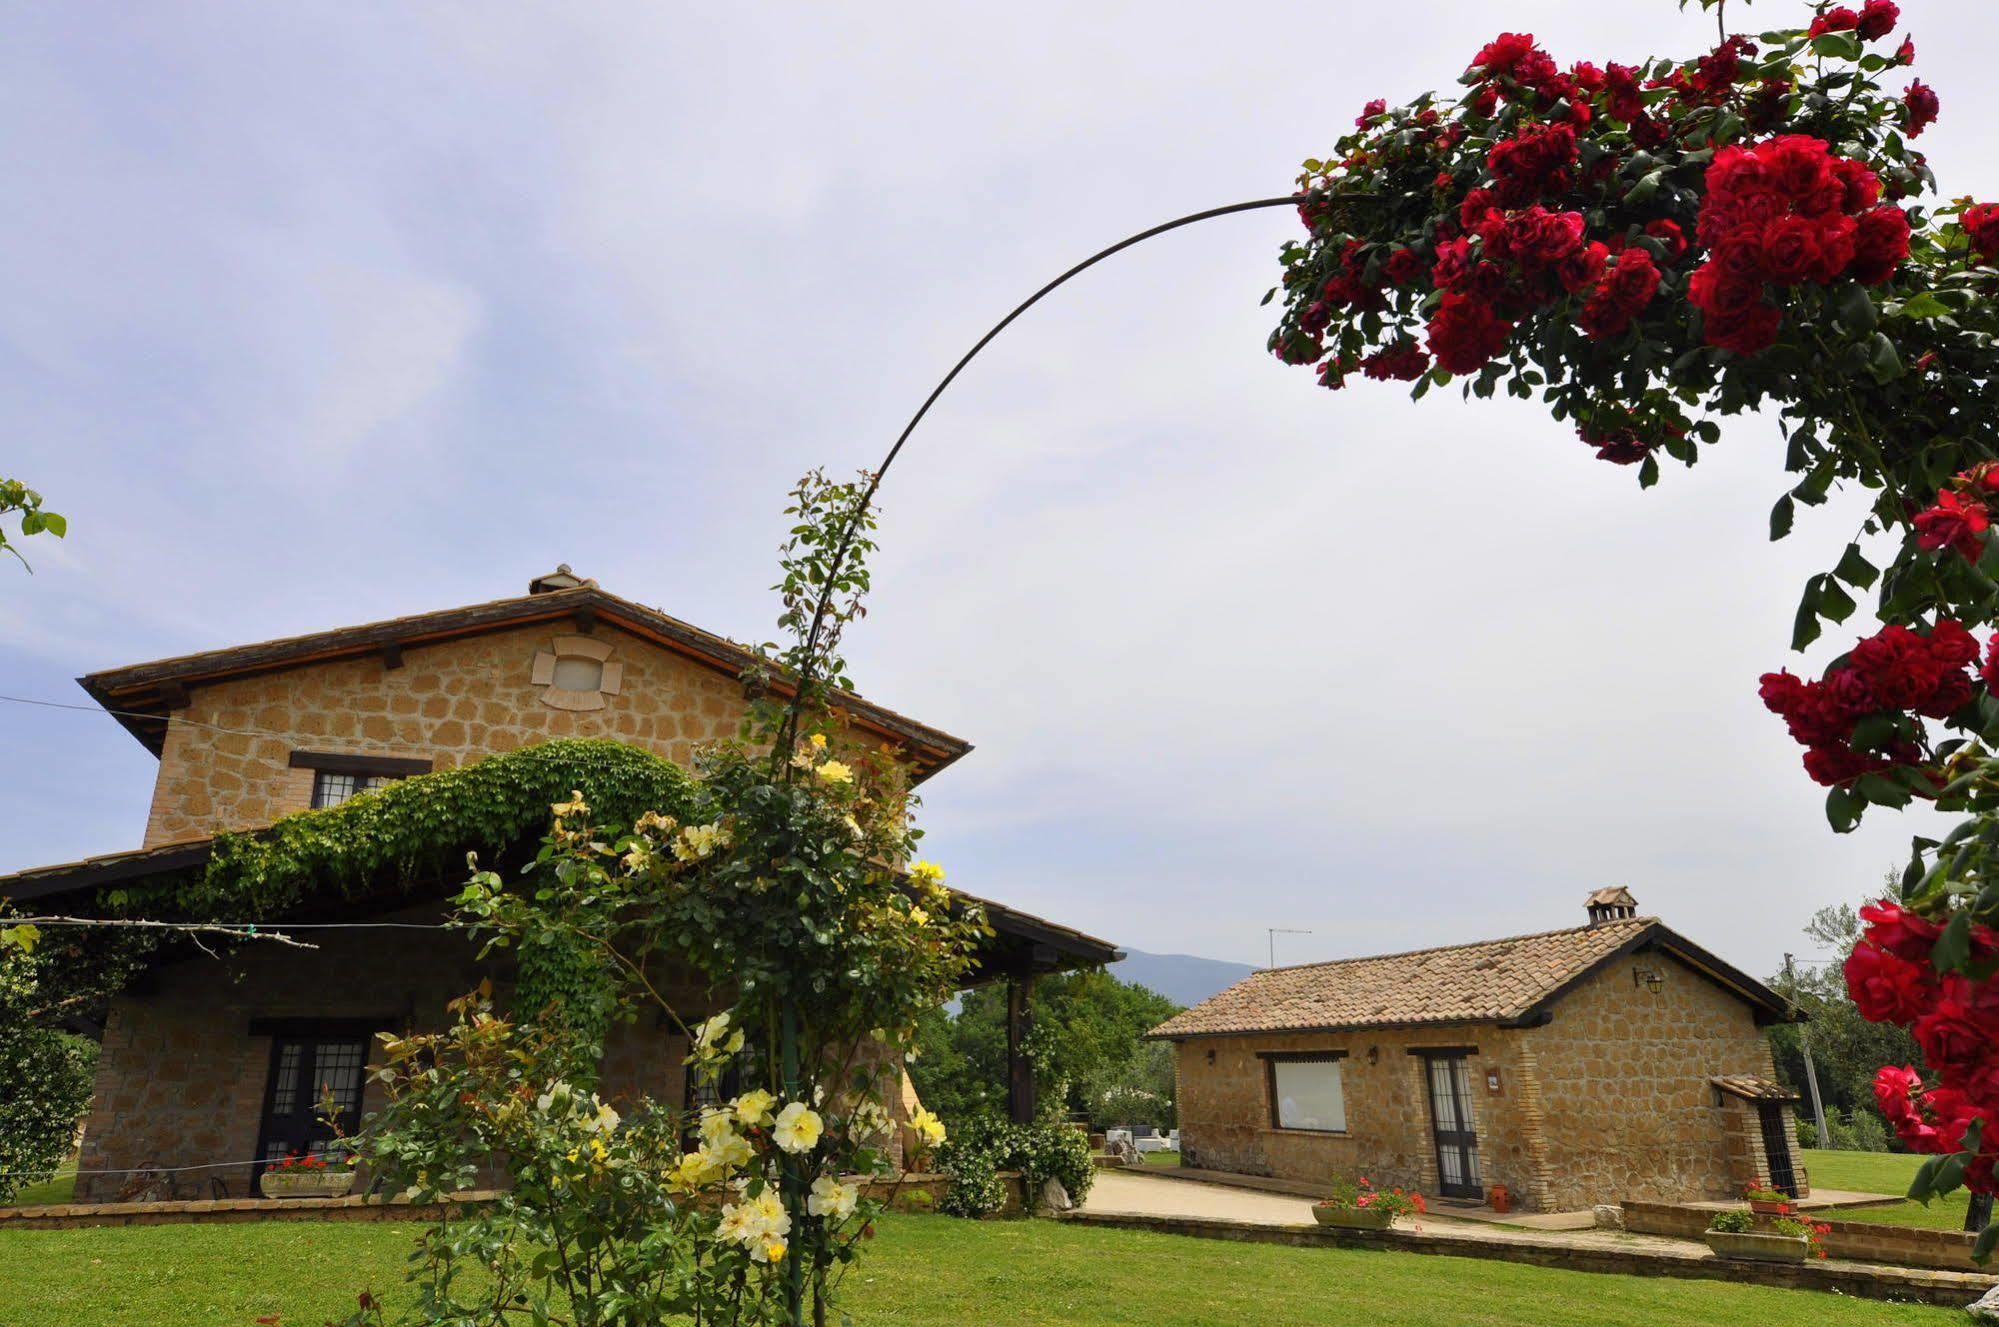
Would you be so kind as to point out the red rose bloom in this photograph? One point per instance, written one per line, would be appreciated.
(1888, 989)
(1892, 927)
(1402, 267)
(1747, 331)
(1861, 186)
(1542, 236)
(1622, 96)
(1880, 243)
(1622, 295)
(1954, 523)
(1954, 1037)
(1877, 19)
(1464, 334)
(1379, 106)
(1905, 54)
(1790, 250)
(1781, 692)
(1581, 269)
(1951, 645)
(1837, 19)
(1668, 233)
(1453, 264)
(1404, 361)
(1921, 106)
(1981, 227)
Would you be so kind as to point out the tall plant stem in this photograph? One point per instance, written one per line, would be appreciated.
(788, 734)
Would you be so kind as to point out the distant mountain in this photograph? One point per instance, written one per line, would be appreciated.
(1181, 978)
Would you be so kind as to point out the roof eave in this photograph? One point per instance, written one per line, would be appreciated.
(137, 694)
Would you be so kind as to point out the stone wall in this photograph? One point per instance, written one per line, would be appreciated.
(1224, 1107)
(181, 1078)
(1624, 1081)
(451, 702)
(1858, 1241)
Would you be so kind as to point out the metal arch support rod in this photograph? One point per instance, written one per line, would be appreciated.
(1289, 200)
(874, 480)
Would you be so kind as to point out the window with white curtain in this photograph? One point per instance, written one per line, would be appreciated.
(1308, 1094)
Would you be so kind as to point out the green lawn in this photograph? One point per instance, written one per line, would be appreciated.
(1159, 1158)
(1882, 1172)
(924, 1271)
(58, 1190)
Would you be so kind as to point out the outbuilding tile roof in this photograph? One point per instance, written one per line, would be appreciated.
(1487, 981)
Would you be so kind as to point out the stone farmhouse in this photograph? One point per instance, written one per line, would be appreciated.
(210, 1060)
(1609, 1061)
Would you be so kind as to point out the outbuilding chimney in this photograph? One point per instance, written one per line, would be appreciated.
(562, 578)
(1611, 904)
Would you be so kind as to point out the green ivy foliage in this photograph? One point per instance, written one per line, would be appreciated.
(405, 836)
(419, 829)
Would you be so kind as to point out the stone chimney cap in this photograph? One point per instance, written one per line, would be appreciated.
(562, 578)
(1609, 904)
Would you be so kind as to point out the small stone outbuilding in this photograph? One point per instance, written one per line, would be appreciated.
(1609, 1061)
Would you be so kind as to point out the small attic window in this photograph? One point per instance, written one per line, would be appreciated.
(575, 673)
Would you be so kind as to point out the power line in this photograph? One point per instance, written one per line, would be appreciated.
(253, 929)
(132, 1170)
(136, 714)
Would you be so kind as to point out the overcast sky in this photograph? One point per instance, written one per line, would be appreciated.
(317, 314)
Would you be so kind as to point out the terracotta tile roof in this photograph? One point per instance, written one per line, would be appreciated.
(1484, 982)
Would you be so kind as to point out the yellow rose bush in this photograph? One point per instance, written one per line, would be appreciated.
(770, 921)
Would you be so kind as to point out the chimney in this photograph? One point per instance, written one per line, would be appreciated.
(1611, 904)
(562, 578)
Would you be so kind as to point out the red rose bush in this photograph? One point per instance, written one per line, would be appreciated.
(1649, 247)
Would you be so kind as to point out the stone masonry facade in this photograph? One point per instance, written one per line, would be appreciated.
(1609, 1100)
(450, 702)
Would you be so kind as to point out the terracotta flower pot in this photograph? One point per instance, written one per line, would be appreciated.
(305, 1183)
(1351, 1218)
(1501, 1198)
(1770, 1206)
(1755, 1246)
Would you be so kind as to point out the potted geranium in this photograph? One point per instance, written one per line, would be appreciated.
(1358, 1205)
(307, 1175)
(1767, 1202)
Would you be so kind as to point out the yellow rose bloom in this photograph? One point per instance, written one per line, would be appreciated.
(835, 772)
(798, 1128)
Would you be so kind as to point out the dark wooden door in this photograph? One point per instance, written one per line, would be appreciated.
(304, 1070)
(1451, 1123)
(1777, 1148)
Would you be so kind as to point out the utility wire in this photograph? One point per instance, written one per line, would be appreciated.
(134, 714)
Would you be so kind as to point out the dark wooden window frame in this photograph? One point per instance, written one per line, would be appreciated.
(1271, 1059)
(335, 762)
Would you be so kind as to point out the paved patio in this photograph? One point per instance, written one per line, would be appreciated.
(1125, 1193)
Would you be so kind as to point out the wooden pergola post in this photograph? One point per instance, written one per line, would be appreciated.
(1019, 1069)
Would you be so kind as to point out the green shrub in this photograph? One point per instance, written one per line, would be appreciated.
(1857, 1130)
(1808, 1134)
(1733, 1221)
(47, 1078)
(978, 1149)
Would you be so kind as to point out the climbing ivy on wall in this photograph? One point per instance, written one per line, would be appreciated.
(404, 836)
